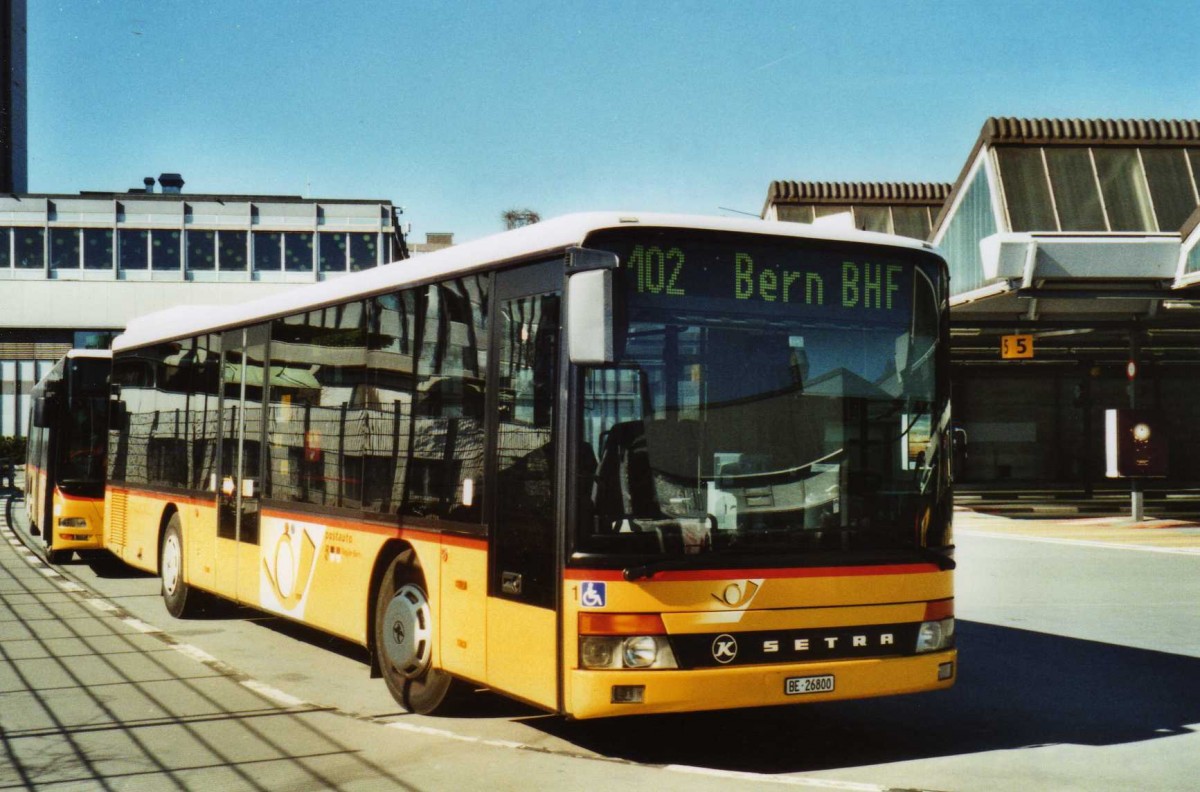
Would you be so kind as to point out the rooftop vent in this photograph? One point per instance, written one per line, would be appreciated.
(149, 182)
(171, 182)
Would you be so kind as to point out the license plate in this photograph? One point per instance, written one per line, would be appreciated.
(796, 686)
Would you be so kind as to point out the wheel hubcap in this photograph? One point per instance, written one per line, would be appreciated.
(170, 564)
(408, 631)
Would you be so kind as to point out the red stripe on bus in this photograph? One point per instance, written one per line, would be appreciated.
(79, 498)
(455, 540)
(788, 572)
(468, 542)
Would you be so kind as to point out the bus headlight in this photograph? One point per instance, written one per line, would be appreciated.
(631, 651)
(597, 651)
(640, 651)
(935, 635)
(624, 640)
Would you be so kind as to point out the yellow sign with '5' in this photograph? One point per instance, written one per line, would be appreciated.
(1016, 347)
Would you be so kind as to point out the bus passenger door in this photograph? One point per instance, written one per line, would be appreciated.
(523, 585)
(237, 556)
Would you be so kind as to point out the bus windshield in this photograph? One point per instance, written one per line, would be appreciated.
(81, 467)
(775, 402)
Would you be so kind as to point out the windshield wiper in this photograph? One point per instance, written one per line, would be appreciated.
(648, 569)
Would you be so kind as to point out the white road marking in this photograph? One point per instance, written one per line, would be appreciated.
(141, 626)
(278, 696)
(785, 780)
(1192, 551)
(195, 653)
(732, 775)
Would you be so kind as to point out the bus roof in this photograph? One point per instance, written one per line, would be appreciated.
(101, 354)
(547, 237)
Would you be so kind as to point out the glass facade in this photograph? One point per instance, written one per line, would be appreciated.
(1074, 183)
(793, 213)
(166, 250)
(873, 218)
(1193, 264)
(333, 251)
(97, 248)
(909, 221)
(64, 248)
(298, 252)
(1025, 185)
(1170, 182)
(1098, 188)
(196, 250)
(29, 248)
(131, 247)
(1123, 186)
(972, 220)
(364, 251)
(268, 251)
(202, 251)
(232, 246)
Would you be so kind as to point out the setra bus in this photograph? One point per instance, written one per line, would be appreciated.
(603, 464)
(67, 440)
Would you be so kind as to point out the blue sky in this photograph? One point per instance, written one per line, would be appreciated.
(459, 111)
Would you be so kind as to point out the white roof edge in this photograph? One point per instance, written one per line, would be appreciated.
(103, 354)
(549, 235)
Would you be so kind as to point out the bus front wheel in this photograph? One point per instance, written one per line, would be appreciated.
(404, 636)
(177, 595)
(59, 556)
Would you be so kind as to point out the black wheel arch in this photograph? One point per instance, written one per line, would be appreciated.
(392, 550)
(163, 521)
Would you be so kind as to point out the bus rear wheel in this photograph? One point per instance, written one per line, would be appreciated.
(177, 594)
(404, 639)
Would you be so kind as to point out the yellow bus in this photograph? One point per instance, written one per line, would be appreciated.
(603, 464)
(64, 468)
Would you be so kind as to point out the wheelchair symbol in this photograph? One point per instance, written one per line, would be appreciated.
(594, 595)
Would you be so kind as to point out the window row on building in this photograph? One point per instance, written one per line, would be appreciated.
(194, 250)
(1099, 188)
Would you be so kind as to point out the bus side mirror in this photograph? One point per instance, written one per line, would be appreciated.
(117, 414)
(116, 408)
(590, 317)
(591, 306)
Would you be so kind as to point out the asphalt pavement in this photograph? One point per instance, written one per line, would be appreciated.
(1112, 529)
(93, 698)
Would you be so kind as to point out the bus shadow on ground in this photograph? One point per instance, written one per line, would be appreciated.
(106, 565)
(1017, 689)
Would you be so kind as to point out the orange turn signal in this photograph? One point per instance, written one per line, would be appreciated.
(621, 624)
(939, 609)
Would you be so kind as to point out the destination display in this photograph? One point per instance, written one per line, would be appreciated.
(795, 278)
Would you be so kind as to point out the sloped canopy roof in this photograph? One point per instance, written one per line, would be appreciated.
(926, 193)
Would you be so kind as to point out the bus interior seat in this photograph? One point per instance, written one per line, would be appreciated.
(624, 483)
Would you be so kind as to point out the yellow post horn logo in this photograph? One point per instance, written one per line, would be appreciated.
(284, 563)
(735, 596)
